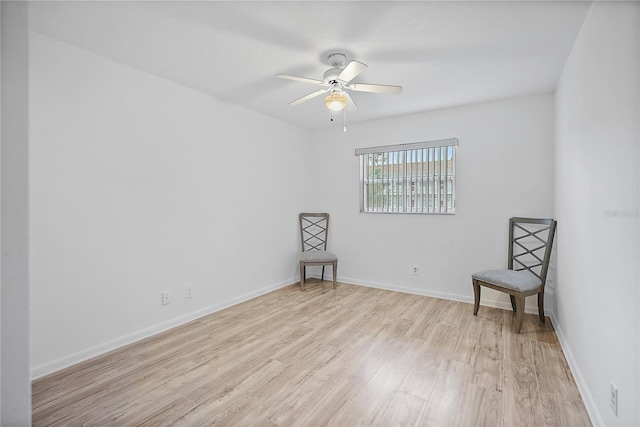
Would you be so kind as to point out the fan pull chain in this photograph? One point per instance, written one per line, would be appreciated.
(345, 119)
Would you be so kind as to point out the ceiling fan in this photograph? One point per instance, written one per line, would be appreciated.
(337, 82)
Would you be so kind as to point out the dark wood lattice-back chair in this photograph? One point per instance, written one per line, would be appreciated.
(314, 229)
(530, 243)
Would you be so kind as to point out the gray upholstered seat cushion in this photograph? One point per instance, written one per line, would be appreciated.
(317, 256)
(515, 280)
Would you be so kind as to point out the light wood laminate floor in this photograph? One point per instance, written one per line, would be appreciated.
(353, 356)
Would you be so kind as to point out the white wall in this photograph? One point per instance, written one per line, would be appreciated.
(597, 171)
(504, 168)
(139, 185)
(14, 284)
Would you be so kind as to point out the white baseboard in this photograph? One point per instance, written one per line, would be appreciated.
(587, 398)
(72, 359)
(531, 309)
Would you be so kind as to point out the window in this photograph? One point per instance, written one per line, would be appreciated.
(409, 178)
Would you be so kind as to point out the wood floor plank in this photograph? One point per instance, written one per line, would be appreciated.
(551, 368)
(445, 402)
(224, 376)
(80, 380)
(564, 410)
(442, 408)
(261, 403)
(450, 313)
(212, 410)
(317, 405)
(414, 307)
(521, 398)
(397, 355)
(396, 305)
(468, 335)
(403, 410)
(487, 372)
(347, 357)
(423, 374)
(490, 341)
(424, 320)
(538, 331)
(114, 398)
(517, 347)
(480, 407)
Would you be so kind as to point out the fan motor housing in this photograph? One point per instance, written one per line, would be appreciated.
(332, 74)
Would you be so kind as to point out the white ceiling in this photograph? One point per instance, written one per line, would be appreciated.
(444, 54)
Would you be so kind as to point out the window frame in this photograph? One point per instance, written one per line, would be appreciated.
(404, 195)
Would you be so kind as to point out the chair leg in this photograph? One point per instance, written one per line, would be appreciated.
(302, 273)
(519, 312)
(541, 306)
(476, 297)
(513, 303)
(335, 273)
(322, 277)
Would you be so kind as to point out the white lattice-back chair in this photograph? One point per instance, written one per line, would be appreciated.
(530, 244)
(314, 230)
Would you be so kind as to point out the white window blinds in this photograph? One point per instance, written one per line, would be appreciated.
(408, 178)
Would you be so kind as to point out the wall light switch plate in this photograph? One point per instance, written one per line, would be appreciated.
(613, 399)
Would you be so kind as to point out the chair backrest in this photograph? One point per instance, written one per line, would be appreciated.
(530, 243)
(314, 229)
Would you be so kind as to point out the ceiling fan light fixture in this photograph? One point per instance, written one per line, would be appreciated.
(337, 81)
(335, 101)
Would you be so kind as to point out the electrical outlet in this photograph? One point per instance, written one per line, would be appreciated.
(188, 292)
(613, 399)
(415, 270)
(165, 298)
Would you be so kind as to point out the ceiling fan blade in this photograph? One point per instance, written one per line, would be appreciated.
(301, 79)
(308, 97)
(366, 87)
(345, 93)
(350, 72)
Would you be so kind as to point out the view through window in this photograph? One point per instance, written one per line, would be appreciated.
(408, 178)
